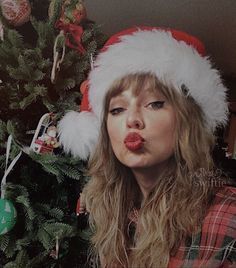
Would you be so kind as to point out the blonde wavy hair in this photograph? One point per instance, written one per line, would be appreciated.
(175, 207)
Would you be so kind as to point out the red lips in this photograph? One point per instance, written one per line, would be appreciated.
(134, 141)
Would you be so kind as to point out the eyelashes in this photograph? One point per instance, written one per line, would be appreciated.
(116, 111)
(155, 105)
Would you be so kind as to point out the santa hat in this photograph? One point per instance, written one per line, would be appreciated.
(176, 58)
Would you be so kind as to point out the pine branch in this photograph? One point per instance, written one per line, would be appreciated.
(35, 92)
(23, 243)
(11, 265)
(45, 33)
(45, 238)
(65, 84)
(43, 188)
(14, 39)
(2, 161)
(70, 172)
(4, 241)
(22, 258)
(9, 251)
(54, 213)
(61, 230)
(56, 10)
(10, 49)
(38, 260)
(14, 190)
(3, 130)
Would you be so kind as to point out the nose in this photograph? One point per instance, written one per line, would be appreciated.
(135, 119)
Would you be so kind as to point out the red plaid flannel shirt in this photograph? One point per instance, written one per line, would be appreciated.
(215, 245)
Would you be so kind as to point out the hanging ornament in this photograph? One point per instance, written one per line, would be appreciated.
(45, 137)
(1, 31)
(51, 9)
(73, 12)
(80, 207)
(82, 213)
(8, 213)
(16, 12)
(55, 253)
(84, 89)
(58, 55)
(8, 216)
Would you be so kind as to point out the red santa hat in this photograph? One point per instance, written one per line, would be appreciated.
(176, 58)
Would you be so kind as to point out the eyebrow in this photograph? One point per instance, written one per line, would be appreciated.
(121, 97)
(115, 99)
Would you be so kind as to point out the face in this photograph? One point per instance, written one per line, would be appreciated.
(141, 128)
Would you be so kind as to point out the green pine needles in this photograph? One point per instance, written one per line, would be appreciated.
(44, 188)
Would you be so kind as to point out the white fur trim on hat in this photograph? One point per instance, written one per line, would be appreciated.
(173, 62)
(78, 133)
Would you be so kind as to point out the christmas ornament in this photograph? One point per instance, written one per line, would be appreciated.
(80, 207)
(58, 55)
(1, 31)
(81, 212)
(73, 12)
(45, 138)
(54, 253)
(84, 90)
(7, 210)
(51, 9)
(8, 216)
(16, 12)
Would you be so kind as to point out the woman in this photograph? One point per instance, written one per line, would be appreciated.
(156, 100)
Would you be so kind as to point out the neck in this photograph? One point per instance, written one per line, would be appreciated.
(146, 179)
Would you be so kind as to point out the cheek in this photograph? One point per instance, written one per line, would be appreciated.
(115, 141)
(165, 129)
(113, 129)
(171, 130)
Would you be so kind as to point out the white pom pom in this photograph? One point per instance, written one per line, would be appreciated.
(78, 133)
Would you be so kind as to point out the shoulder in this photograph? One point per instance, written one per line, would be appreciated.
(221, 215)
(218, 234)
(225, 200)
(227, 191)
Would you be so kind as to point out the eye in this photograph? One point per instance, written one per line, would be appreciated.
(116, 111)
(156, 105)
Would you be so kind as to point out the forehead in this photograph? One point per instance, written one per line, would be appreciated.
(138, 85)
(140, 93)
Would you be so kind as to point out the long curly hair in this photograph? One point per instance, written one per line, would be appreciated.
(175, 207)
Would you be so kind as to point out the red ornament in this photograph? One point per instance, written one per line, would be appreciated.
(16, 12)
(71, 16)
(84, 88)
(73, 34)
(80, 207)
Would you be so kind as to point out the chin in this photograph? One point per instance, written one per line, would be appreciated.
(135, 162)
(135, 165)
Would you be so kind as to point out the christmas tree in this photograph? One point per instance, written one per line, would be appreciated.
(45, 54)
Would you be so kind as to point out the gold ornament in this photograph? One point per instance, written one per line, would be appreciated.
(16, 12)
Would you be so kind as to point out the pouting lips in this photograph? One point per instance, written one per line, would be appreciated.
(134, 141)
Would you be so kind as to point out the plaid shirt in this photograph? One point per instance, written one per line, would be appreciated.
(215, 245)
